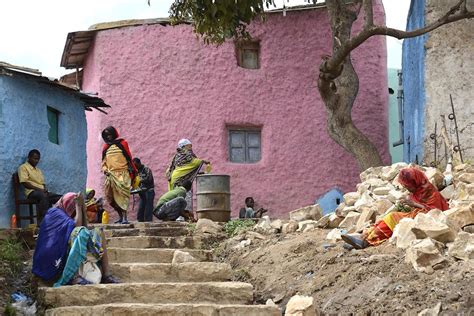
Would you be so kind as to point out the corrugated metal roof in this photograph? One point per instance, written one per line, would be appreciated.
(27, 70)
(90, 100)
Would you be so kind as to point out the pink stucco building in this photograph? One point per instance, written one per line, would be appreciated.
(164, 83)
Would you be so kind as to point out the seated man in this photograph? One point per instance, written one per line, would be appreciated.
(172, 204)
(32, 179)
(248, 211)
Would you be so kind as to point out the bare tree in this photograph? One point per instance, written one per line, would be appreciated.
(338, 83)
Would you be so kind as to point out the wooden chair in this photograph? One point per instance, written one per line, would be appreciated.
(19, 201)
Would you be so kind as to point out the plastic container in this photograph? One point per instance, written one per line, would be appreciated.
(105, 217)
(13, 223)
(208, 168)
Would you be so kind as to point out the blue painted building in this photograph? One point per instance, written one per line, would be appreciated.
(36, 112)
(435, 66)
(413, 64)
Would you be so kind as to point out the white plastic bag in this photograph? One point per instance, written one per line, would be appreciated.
(90, 271)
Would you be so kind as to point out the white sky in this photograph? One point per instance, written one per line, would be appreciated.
(33, 32)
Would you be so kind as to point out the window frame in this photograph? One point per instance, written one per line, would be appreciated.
(246, 147)
(241, 46)
(57, 113)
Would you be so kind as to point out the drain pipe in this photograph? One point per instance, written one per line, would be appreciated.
(400, 110)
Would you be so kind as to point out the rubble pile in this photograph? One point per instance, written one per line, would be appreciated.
(428, 238)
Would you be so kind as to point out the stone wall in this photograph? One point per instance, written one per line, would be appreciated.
(24, 126)
(449, 69)
(164, 83)
(436, 65)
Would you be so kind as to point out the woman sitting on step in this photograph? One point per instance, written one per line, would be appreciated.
(66, 251)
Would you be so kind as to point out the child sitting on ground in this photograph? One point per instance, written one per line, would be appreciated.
(249, 212)
(94, 207)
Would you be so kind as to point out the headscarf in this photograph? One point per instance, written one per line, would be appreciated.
(422, 191)
(67, 203)
(90, 201)
(88, 191)
(113, 131)
(122, 145)
(183, 142)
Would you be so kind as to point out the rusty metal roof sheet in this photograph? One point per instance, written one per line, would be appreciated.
(90, 100)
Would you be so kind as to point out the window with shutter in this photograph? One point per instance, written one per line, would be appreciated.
(53, 121)
(245, 145)
(248, 54)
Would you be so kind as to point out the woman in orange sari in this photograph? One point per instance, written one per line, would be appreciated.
(423, 198)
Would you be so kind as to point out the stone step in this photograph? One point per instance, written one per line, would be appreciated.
(112, 226)
(159, 224)
(167, 272)
(147, 293)
(154, 242)
(165, 309)
(140, 225)
(152, 255)
(148, 231)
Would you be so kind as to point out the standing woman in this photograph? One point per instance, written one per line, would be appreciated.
(184, 166)
(119, 171)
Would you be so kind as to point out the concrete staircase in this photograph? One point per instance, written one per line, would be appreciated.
(141, 256)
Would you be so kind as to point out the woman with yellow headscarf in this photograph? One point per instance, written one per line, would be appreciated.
(184, 166)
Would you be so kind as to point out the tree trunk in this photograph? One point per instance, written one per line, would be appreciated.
(339, 87)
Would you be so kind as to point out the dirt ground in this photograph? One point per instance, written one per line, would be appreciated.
(364, 282)
(15, 279)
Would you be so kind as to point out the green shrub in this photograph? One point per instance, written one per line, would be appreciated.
(191, 227)
(241, 275)
(232, 228)
(11, 252)
(9, 310)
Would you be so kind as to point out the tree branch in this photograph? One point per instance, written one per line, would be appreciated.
(450, 16)
(368, 14)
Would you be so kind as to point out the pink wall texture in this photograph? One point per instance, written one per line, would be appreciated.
(164, 83)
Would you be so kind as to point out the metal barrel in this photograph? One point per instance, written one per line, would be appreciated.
(213, 197)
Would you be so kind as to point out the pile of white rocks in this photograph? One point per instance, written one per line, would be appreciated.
(425, 238)
(431, 239)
